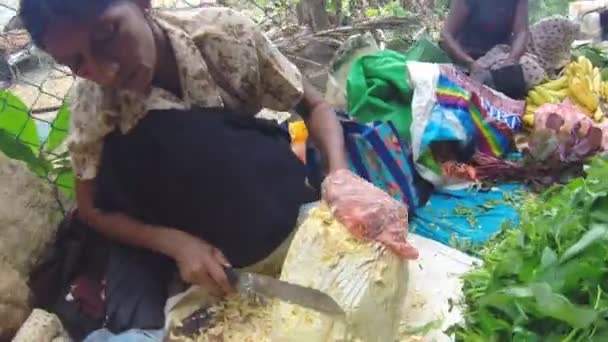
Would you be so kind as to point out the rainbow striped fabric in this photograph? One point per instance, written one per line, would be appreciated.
(474, 113)
(461, 111)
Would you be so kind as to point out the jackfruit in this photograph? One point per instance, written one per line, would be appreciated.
(367, 280)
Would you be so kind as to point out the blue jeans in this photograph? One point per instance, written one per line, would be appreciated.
(134, 335)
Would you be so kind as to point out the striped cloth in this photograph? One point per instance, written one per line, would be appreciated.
(484, 122)
(449, 107)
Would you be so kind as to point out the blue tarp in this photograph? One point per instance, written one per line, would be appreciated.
(467, 216)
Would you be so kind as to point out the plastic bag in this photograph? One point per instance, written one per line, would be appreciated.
(368, 212)
(378, 88)
(566, 117)
(563, 116)
(450, 108)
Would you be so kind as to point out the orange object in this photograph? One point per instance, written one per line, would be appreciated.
(299, 135)
(460, 171)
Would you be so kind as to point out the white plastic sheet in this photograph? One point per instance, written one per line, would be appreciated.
(434, 285)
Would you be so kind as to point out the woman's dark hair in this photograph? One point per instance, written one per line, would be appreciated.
(38, 15)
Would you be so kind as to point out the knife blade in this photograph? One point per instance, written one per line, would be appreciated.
(248, 283)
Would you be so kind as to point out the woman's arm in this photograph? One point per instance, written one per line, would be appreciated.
(459, 12)
(120, 227)
(273, 81)
(324, 127)
(199, 263)
(520, 31)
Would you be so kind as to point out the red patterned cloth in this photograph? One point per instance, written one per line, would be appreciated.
(88, 293)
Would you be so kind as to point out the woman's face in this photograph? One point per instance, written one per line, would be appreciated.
(116, 49)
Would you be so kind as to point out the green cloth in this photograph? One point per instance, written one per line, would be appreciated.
(378, 88)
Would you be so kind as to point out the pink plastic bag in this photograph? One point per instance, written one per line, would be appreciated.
(565, 116)
(368, 212)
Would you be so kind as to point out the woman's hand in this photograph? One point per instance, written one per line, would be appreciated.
(324, 128)
(475, 69)
(201, 264)
(455, 21)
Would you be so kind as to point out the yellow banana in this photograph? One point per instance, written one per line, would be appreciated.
(528, 120)
(597, 81)
(598, 116)
(558, 84)
(605, 90)
(582, 108)
(586, 66)
(547, 96)
(536, 98)
(588, 79)
(581, 91)
(559, 94)
(578, 67)
(531, 107)
(573, 69)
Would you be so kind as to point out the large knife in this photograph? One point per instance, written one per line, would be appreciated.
(248, 283)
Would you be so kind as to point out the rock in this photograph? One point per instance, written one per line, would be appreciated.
(42, 326)
(29, 216)
(14, 301)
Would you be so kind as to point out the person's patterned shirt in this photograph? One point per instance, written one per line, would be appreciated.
(224, 60)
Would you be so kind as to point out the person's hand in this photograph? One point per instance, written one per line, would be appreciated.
(476, 69)
(201, 264)
(510, 60)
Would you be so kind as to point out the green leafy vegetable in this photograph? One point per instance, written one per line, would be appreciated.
(15, 120)
(547, 280)
(59, 128)
(19, 140)
(15, 149)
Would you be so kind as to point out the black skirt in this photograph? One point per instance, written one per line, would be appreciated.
(230, 180)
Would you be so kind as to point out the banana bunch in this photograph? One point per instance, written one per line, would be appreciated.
(528, 118)
(555, 91)
(581, 82)
(604, 91)
(586, 87)
(551, 92)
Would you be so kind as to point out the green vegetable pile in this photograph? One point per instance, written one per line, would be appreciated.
(548, 280)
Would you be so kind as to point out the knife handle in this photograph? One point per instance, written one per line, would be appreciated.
(232, 275)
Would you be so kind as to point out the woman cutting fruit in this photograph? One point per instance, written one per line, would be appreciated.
(145, 75)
